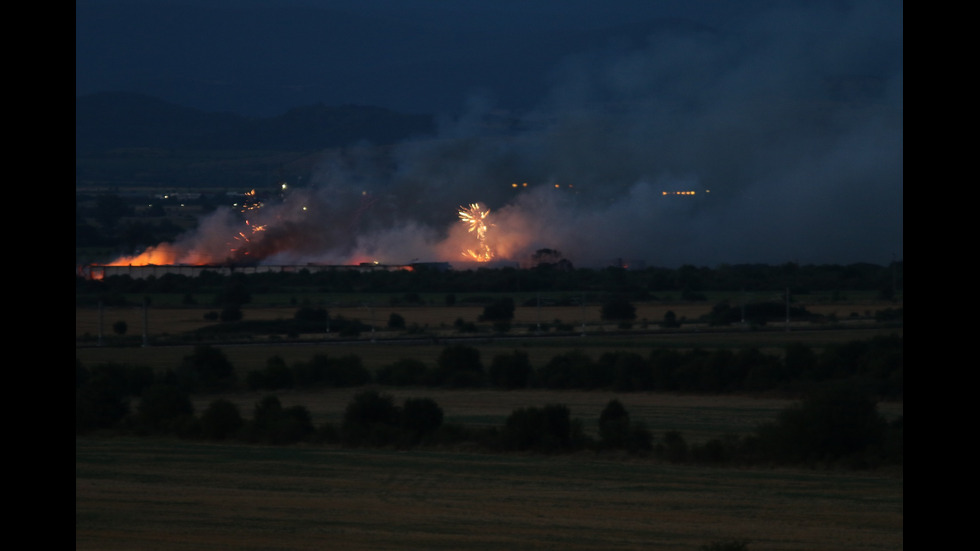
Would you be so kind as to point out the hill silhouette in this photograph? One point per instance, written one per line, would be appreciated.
(120, 120)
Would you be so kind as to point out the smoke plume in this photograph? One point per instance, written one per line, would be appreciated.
(786, 123)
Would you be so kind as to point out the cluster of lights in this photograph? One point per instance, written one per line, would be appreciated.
(523, 185)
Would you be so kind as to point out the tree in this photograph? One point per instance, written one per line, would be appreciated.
(830, 425)
(546, 429)
(511, 371)
(670, 320)
(420, 417)
(618, 309)
(163, 408)
(396, 321)
(458, 365)
(273, 424)
(499, 310)
(206, 370)
(616, 431)
(221, 420)
(370, 419)
(614, 425)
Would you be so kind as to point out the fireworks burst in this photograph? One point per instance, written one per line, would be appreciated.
(476, 220)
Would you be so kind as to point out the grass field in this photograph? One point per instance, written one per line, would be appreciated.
(159, 495)
(156, 494)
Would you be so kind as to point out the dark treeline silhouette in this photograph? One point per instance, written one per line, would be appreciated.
(685, 282)
(831, 426)
(109, 121)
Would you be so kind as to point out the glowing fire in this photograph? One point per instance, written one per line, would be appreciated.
(242, 246)
(476, 220)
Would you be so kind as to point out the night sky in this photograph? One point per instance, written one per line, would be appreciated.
(785, 117)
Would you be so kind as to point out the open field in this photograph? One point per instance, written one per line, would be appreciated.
(161, 495)
(157, 494)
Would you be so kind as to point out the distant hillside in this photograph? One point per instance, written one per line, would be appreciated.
(111, 120)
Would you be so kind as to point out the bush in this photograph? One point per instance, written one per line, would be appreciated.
(420, 418)
(276, 375)
(614, 425)
(618, 309)
(221, 420)
(511, 371)
(499, 310)
(162, 408)
(231, 314)
(617, 432)
(458, 365)
(371, 419)
(273, 424)
(830, 426)
(404, 372)
(396, 321)
(207, 369)
(548, 429)
(321, 370)
(673, 448)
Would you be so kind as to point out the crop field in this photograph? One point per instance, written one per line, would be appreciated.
(168, 494)
(149, 494)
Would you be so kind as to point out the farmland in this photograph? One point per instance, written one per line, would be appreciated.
(157, 492)
(146, 494)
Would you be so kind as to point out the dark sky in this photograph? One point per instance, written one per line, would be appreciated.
(790, 112)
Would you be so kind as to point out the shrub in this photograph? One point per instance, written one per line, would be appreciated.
(510, 370)
(420, 417)
(618, 309)
(161, 408)
(673, 448)
(614, 425)
(396, 321)
(458, 365)
(499, 310)
(273, 424)
(207, 369)
(221, 420)
(547, 429)
(830, 425)
(404, 372)
(370, 419)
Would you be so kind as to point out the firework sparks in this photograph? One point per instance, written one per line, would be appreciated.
(476, 220)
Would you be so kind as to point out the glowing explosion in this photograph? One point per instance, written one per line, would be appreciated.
(476, 219)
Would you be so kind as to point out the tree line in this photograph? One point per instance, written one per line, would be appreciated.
(833, 427)
(686, 282)
(836, 420)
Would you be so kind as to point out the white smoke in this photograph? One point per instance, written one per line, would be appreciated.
(787, 122)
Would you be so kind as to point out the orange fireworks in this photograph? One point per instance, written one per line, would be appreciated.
(476, 220)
